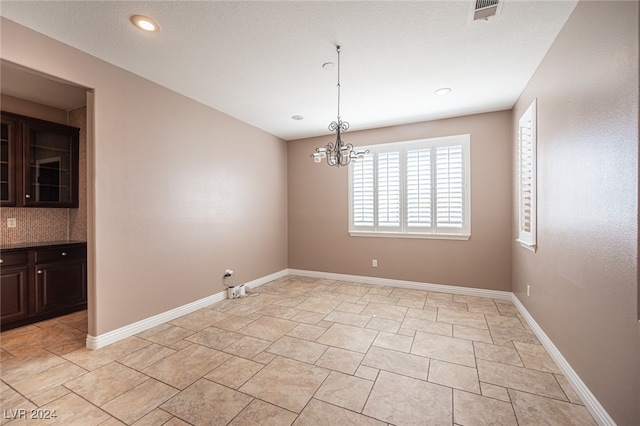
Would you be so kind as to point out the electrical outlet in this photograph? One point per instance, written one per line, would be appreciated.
(374, 263)
(11, 222)
(228, 273)
(528, 290)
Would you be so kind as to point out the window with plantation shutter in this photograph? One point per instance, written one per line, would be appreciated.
(527, 178)
(414, 189)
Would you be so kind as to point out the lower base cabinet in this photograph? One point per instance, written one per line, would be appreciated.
(41, 283)
(14, 302)
(60, 285)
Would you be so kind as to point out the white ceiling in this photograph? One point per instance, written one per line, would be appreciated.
(261, 61)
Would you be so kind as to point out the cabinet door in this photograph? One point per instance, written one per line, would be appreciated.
(13, 294)
(60, 286)
(8, 142)
(50, 165)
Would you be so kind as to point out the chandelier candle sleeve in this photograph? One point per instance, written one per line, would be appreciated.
(338, 153)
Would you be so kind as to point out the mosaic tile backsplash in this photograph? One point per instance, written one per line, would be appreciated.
(34, 225)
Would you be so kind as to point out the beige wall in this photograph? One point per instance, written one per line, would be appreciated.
(584, 275)
(178, 192)
(318, 217)
(36, 225)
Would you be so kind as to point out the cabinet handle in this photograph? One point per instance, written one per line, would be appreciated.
(40, 271)
(27, 196)
(64, 253)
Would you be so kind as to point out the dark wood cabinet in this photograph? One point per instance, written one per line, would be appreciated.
(15, 302)
(14, 295)
(61, 282)
(42, 282)
(60, 285)
(42, 163)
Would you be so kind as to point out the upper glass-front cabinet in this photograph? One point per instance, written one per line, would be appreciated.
(51, 165)
(7, 161)
(47, 169)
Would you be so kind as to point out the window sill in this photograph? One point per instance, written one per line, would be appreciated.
(528, 246)
(410, 235)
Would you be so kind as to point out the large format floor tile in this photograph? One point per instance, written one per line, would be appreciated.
(397, 362)
(302, 351)
(207, 403)
(444, 348)
(403, 400)
(471, 409)
(345, 391)
(286, 383)
(186, 366)
(523, 379)
(321, 413)
(268, 328)
(348, 337)
(139, 401)
(262, 413)
(106, 383)
(537, 410)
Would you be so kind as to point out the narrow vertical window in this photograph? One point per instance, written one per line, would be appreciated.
(527, 178)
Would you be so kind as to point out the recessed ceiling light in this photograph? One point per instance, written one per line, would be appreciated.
(328, 66)
(297, 117)
(145, 23)
(443, 91)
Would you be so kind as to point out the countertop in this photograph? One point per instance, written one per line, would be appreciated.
(35, 245)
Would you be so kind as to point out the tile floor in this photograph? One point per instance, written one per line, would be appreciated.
(302, 351)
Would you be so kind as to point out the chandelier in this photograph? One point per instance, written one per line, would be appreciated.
(338, 153)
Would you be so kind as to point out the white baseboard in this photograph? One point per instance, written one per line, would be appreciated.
(465, 291)
(97, 342)
(267, 278)
(590, 402)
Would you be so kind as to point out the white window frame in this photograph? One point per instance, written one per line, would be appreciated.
(527, 178)
(403, 230)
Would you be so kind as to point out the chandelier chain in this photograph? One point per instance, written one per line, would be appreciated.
(338, 49)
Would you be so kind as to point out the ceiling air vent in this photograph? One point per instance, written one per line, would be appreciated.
(484, 9)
